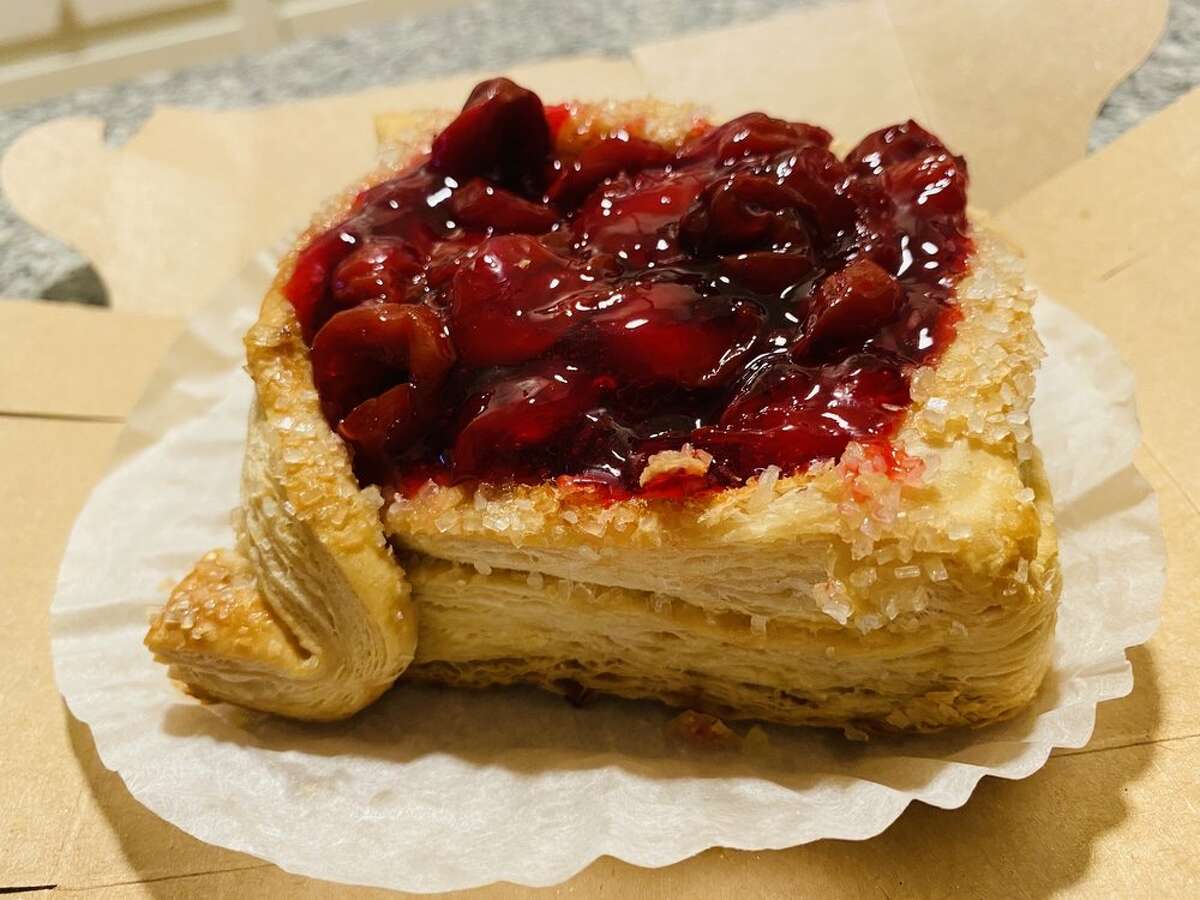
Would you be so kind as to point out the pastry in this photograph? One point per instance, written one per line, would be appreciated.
(602, 397)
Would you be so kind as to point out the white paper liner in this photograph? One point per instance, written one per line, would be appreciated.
(436, 789)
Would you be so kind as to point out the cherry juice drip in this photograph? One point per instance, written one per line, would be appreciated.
(499, 313)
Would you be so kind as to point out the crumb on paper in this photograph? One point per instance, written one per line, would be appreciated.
(756, 740)
(700, 730)
(706, 732)
(574, 692)
(856, 734)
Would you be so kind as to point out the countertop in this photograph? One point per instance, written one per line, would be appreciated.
(491, 34)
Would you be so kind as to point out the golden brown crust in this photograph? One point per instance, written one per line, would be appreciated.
(218, 607)
(845, 595)
(325, 579)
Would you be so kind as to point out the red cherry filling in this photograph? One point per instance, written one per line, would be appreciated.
(508, 302)
(498, 312)
(636, 220)
(483, 205)
(384, 427)
(556, 118)
(791, 415)
(850, 306)
(605, 159)
(309, 284)
(883, 148)
(522, 413)
(768, 271)
(381, 269)
(501, 133)
(934, 183)
(753, 134)
(362, 352)
(667, 333)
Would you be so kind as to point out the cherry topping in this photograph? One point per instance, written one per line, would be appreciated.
(636, 219)
(663, 332)
(603, 160)
(410, 208)
(383, 427)
(485, 205)
(935, 183)
(768, 271)
(789, 415)
(502, 310)
(523, 411)
(887, 146)
(556, 117)
(508, 301)
(308, 285)
(381, 269)
(753, 134)
(745, 211)
(362, 352)
(822, 180)
(501, 133)
(850, 306)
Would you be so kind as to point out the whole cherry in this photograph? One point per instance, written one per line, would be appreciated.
(849, 307)
(510, 301)
(501, 134)
(381, 269)
(522, 412)
(360, 353)
(664, 332)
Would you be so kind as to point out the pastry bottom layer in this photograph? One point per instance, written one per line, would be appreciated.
(505, 627)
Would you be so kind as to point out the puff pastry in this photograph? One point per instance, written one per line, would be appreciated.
(855, 592)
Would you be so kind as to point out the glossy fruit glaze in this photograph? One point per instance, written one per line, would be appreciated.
(497, 312)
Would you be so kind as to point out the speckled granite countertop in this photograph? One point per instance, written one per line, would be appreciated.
(482, 35)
